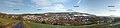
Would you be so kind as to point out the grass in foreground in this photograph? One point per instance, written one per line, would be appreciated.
(0, 24)
(37, 25)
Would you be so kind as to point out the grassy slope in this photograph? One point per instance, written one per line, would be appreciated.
(26, 24)
(36, 25)
(0, 24)
(6, 21)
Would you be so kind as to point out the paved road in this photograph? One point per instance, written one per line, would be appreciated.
(19, 25)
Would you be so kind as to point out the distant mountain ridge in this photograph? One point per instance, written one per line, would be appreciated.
(54, 13)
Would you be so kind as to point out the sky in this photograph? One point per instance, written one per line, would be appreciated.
(97, 7)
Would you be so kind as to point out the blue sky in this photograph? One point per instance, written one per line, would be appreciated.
(97, 7)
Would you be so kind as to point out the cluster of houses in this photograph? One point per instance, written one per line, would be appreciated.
(63, 18)
(67, 18)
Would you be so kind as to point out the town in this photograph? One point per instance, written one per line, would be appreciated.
(67, 18)
(61, 18)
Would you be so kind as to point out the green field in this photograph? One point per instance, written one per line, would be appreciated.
(37, 25)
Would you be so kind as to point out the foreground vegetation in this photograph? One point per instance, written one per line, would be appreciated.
(0, 24)
(37, 25)
(9, 21)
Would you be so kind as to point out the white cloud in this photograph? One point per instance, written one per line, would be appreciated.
(58, 1)
(7, 4)
(79, 1)
(56, 7)
(10, 3)
(50, 5)
(43, 3)
(108, 13)
(119, 3)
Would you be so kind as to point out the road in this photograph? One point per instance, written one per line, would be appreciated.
(19, 25)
